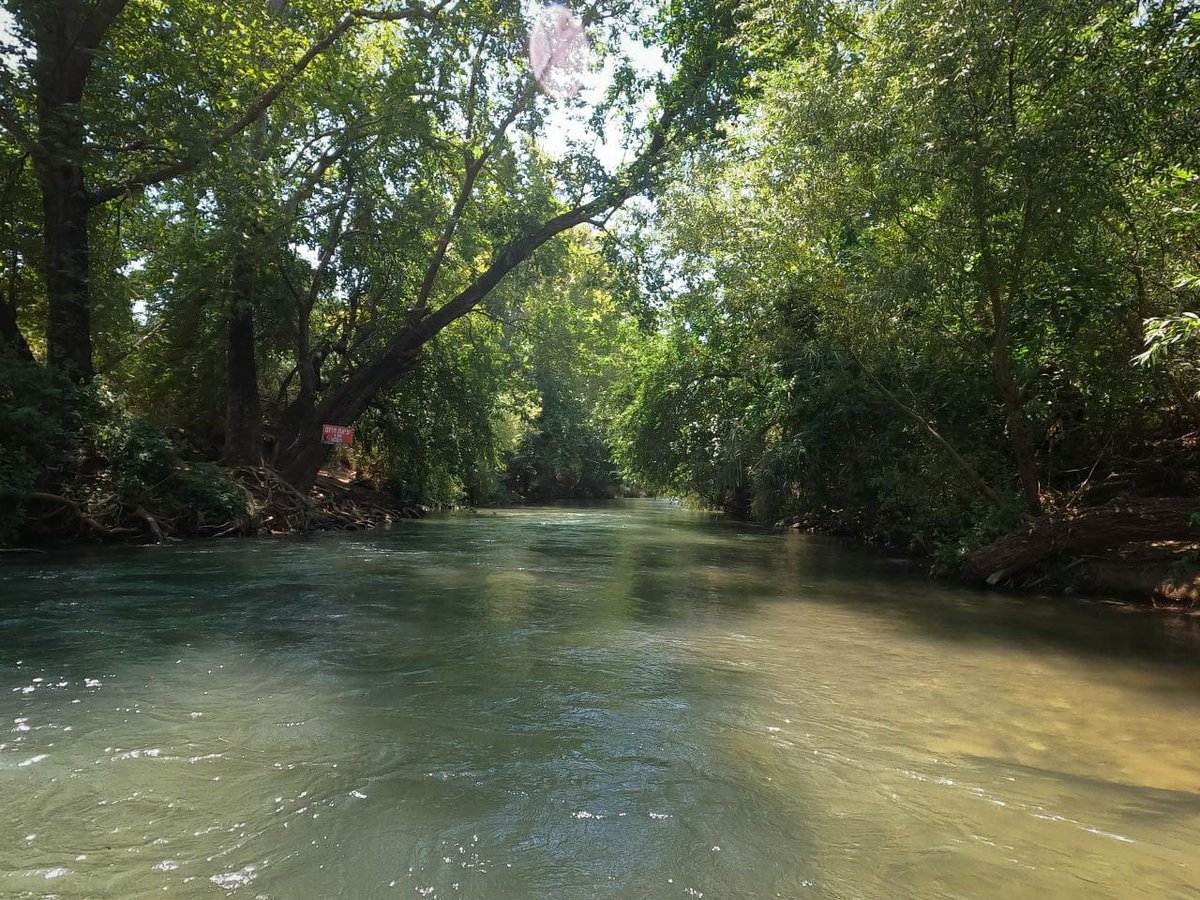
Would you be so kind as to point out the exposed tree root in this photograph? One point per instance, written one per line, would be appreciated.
(151, 523)
(332, 504)
(274, 507)
(95, 526)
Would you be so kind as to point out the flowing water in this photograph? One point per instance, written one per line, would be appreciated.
(630, 701)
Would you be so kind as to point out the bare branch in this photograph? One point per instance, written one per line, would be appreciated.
(94, 29)
(399, 15)
(474, 167)
(310, 182)
(142, 340)
(77, 510)
(332, 242)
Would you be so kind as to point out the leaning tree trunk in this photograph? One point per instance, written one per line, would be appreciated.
(302, 459)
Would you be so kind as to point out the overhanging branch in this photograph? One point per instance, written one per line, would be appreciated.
(255, 111)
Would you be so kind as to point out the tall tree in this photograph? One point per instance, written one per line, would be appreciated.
(45, 111)
(482, 215)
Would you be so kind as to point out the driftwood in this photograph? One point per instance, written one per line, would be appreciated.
(331, 505)
(1104, 529)
(77, 510)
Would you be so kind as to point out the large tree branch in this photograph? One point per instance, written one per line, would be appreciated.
(308, 185)
(396, 357)
(255, 111)
(332, 241)
(637, 177)
(400, 15)
(475, 165)
(303, 456)
(512, 256)
(95, 27)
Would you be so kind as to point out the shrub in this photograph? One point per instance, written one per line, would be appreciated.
(42, 419)
(60, 439)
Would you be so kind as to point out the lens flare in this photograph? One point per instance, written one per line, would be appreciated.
(559, 51)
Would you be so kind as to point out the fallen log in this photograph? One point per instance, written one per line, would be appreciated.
(1063, 534)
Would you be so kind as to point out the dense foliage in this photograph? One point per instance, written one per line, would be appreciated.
(912, 287)
(244, 221)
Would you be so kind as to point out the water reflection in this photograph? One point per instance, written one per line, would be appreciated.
(632, 701)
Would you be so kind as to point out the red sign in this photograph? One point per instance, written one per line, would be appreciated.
(337, 434)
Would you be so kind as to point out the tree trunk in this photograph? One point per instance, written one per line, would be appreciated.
(301, 409)
(1014, 421)
(67, 35)
(1000, 302)
(10, 332)
(297, 414)
(65, 226)
(302, 459)
(243, 439)
(1103, 529)
(60, 73)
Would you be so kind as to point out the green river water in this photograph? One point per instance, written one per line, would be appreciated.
(626, 701)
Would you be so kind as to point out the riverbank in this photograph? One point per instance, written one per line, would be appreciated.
(1120, 551)
(267, 505)
(1140, 549)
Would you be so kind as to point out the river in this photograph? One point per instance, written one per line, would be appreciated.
(625, 701)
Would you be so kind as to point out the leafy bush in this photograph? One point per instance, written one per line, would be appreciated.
(60, 439)
(42, 417)
(144, 468)
(140, 456)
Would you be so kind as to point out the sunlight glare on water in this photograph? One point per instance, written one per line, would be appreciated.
(628, 701)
